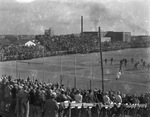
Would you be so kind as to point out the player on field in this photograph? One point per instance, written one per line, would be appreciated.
(118, 75)
(141, 60)
(106, 61)
(125, 62)
(136, 65)
(132, 60)
(148, 66)
(111, 61)
(144, 64)
(120, 68)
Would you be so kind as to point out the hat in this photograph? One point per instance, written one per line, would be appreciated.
(20, 87)
(77, 91)
(53, 95)
(106, 93)
(62, 90)
(118, 92)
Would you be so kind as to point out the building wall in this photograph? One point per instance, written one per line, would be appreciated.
(49, 32)
(94, 33)
(105, 39)
(119, 36)
(113, 36)
(126, 36)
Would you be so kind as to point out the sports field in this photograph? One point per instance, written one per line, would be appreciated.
(86, 67)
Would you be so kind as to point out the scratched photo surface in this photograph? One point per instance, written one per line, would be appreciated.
(65, 42)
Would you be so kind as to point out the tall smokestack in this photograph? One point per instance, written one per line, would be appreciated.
(81, 25)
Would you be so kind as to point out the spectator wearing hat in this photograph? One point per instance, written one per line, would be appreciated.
(31, 102)
(135, 99)
(68, 96)
(78, 97)
(18, 101)
(91, 97)
(62, 97)
(100, 96)
(25, 102)
(106, 98)
(7, 96)
(142, 99)
(38, 103)
(14, 91)
(124, 99)
(51, 107)
(118, 97)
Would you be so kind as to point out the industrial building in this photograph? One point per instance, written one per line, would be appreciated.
(111, 35)
(119, 36)
(49, 32)
(94, 33)
(108, 35)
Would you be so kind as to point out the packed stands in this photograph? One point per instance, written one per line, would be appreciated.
(65, 44)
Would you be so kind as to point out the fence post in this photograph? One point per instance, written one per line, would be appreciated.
(70, 109)
(75, 82)
(106, 113)
(89, 112)
(61, 79)
(79, 115)
(90, 84)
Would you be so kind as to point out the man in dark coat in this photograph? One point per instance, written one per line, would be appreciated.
(51, 107)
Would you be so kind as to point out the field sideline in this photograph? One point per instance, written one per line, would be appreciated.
(86, 65)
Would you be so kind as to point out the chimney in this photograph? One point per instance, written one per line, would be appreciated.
(81, 24)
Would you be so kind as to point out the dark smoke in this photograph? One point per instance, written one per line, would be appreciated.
(99, 14)
(96, 13)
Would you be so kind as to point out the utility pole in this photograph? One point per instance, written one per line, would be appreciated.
(75, 80)
(61, 77)
(17, 58)
(101, 58)
(44, 62)
(91, 74)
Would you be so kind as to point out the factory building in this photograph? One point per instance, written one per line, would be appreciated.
(112, 36)
(119, 36)
(49, 32)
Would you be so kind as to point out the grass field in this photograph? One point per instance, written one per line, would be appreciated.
(87, 65)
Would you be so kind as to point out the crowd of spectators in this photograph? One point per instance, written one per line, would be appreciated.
(27, 98)
(72, 44)
(65, 44)
(16, 52)
(140, 43)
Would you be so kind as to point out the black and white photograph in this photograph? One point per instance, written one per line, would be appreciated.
(74, 58)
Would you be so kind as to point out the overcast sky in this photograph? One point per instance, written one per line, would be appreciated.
(34, 16)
